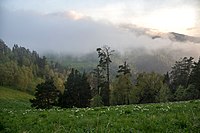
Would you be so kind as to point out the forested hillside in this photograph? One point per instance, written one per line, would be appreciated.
(107, 79)
(24, 69)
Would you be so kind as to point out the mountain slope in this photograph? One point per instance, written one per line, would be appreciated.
(177, 37)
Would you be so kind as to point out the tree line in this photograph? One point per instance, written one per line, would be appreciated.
(96, 88)
(55, 85)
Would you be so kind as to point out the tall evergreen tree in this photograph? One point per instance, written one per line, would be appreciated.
(46, 95)
(124, 69)
(104, 62)
(180, 73)
(166, 79)
(195, 76)
(77, 91)
(99, 80)
(122, 86)
(85, 91)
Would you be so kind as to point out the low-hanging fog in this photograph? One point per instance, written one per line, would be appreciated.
(62, 32)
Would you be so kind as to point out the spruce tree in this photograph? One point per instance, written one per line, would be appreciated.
(77, 91)
(195, 77)
(180, 73)
(68, 98)
(46, 95)
(85, 91)
(122, 86)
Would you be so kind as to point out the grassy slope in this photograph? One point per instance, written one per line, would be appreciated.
(10, 94)
(17, 116)
(14, 99)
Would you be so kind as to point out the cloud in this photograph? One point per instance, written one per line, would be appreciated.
(71, 32)
(60, 32)
(71, 14)
(155, 34)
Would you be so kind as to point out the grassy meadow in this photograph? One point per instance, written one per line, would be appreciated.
(16, 115)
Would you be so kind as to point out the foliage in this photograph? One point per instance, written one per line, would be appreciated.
(120, 92)
(23, 69)
(181, 72)
(96, 101)
(122, 86)
(191, 92)
(98, 80)
(195, 78)
(124, 69)
(104, 62)
(164, 94)
(147, 87)
(46, 95)
(179, 94)
(77, 91)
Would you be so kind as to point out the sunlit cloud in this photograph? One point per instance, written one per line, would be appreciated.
(173, 19)
(71, 14)
(123, 25)
(75, 15)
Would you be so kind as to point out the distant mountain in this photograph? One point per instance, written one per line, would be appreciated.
(155, 34)
(177, 37)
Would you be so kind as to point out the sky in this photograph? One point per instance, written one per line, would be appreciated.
(77, 26)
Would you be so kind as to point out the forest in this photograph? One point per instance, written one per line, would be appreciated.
(54, 83)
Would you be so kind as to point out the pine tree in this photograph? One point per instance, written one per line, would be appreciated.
(195, 77)
(122, 86)
(85, 91)
(68, 98)
(77, 91)
(99, 80)
(180, 73)
(104, 62)
(46, 95)
(124, 69)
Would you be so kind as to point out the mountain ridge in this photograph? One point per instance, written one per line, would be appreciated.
(173, 36)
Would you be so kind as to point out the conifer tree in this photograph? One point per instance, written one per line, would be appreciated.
(122, 86)
(77, 91)
(195, 77)
(180, 73)
(104, 62)
(85, 91)
(46, 95)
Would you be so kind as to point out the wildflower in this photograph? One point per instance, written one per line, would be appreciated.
(146, 109)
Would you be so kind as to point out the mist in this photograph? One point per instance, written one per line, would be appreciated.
(67, 33)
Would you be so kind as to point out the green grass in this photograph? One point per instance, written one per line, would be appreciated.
(16, 115)
(11, 94)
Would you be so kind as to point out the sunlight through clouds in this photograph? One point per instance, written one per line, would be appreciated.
(173, 19)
